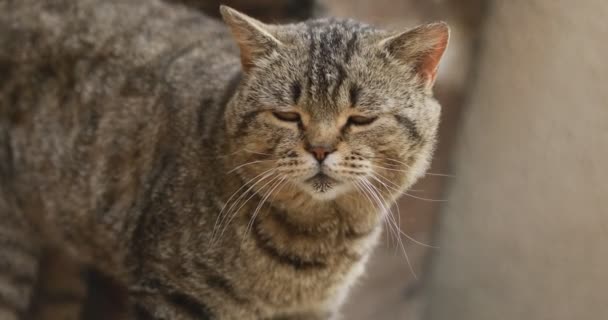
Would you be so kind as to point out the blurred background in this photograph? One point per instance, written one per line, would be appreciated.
(518, 209)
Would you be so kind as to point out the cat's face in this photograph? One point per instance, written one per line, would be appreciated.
(331, 108)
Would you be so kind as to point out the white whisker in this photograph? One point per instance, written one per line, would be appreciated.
(248, 163)
(234, 213)
(262, 201)
(222, 215)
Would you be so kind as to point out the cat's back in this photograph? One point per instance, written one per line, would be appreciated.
(92, 93)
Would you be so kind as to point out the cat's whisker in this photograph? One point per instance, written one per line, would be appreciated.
(257, 152)
(375, 196)
(377, 199)
(400, 163)
(392, 222)
(440, 175)
(285, 182)
(223, 214)
(427, 173)
(261, 204)
(389, 169)
(235, 212)
(389, 188)
(405, 192)
(423, 199)
(229, 199)
(360, 189)
(222, 155)
(396, 205)
(247, 164)
(393, 203)
(407, 258)
(388, 231)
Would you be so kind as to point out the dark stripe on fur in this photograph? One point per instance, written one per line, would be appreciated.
(141, 313)
(231, 87)
(410, 126)
(341, 77)
(63, 297)
(294, 261)
(246, 120)
(9, 268)
(296, 92)
(7, 304)
(10, 309)
(292, 228)
(350, 48)
(203, 109)
(353, 95)
(140, 235)
(311, 59)
(215, 280)
(195, 309)
(323, 60)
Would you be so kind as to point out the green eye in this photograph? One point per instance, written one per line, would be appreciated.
(287, 116)
(360, 120)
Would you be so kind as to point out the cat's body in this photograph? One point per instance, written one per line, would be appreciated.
(125, 132)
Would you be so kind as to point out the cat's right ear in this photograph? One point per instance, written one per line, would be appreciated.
(254, 38)
(421, 48)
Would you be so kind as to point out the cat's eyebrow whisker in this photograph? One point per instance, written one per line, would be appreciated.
(248, 163)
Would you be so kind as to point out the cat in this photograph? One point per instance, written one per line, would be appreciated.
(237, 172)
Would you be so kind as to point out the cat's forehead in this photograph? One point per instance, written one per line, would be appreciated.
(325, 25)
(329, 47)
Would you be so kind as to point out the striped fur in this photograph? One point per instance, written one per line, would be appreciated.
(133, 140)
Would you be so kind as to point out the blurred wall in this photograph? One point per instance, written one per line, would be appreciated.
(524, 234)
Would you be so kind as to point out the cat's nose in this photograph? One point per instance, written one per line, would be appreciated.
(320, 152)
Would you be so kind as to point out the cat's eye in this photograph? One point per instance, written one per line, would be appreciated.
(287, 116)
(360, 120)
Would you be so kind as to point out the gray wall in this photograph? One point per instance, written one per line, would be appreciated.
(524, 234)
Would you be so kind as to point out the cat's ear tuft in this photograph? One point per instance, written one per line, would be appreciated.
(422, 47)
(255, 39)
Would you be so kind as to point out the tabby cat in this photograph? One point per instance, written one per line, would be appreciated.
(214, 177)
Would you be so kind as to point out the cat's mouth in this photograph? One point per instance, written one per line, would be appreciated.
(321, 182)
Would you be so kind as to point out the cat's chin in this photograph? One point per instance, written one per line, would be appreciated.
(324, 188)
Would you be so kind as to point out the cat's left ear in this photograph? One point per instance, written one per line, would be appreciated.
(422, 48)
(255, 39)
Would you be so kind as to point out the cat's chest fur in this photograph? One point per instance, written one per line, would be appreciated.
(267, 266)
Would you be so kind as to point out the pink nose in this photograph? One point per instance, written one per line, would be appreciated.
(320, 152)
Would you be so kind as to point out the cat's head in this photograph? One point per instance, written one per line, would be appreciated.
(330, 107)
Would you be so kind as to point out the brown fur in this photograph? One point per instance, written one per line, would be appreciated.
(132, 141)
